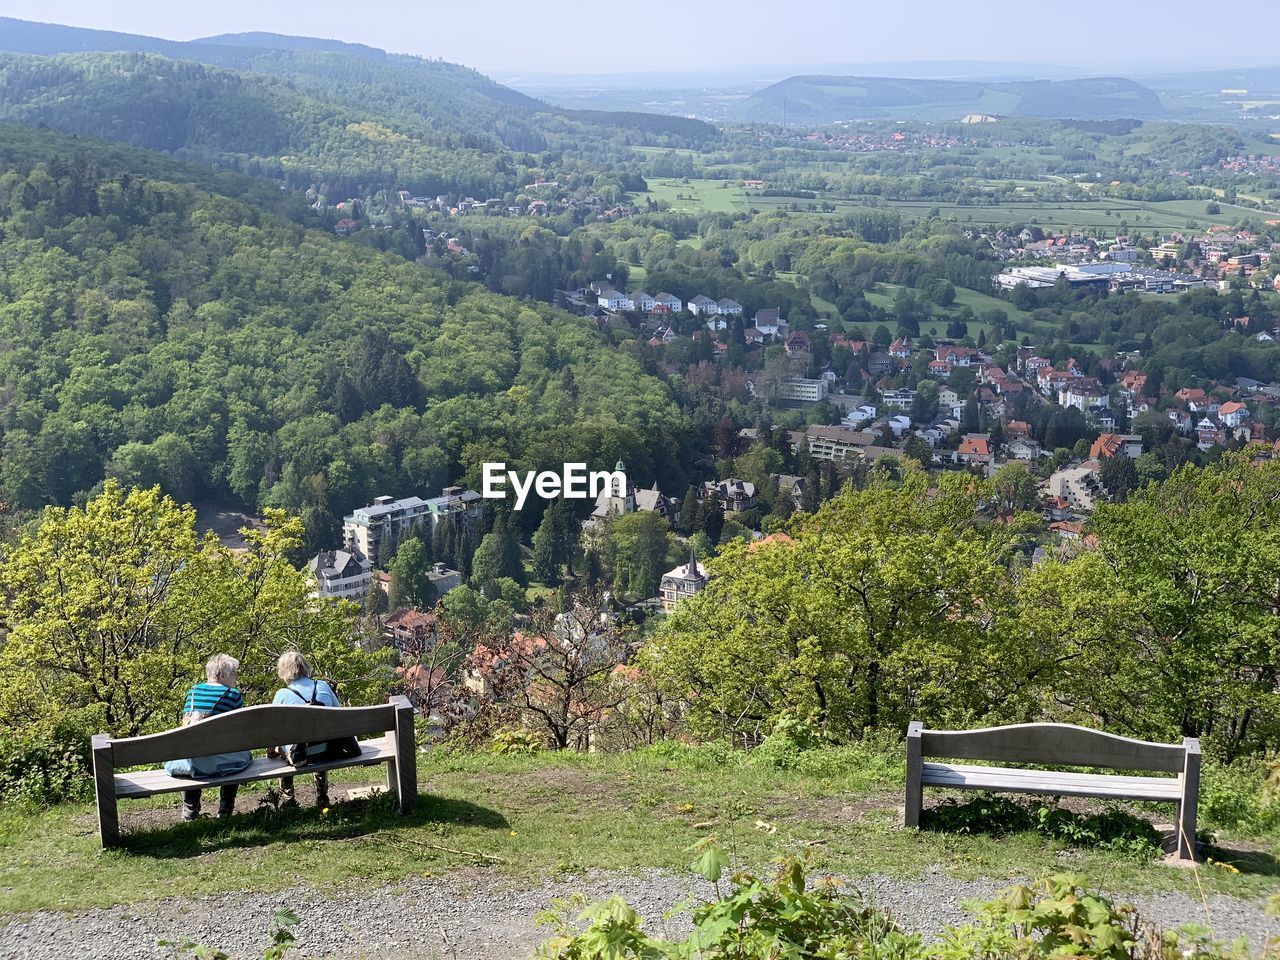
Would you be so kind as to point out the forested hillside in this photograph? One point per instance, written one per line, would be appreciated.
(294, 107)
(157, 332)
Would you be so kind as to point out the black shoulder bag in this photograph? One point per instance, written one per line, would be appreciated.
(343, 748)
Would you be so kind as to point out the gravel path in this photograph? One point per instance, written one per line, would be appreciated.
(473, 917)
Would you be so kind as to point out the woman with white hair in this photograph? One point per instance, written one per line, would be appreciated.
(215, 696)
(300, 689)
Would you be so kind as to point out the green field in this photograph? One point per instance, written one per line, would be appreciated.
(693, 195)
(1081, 214)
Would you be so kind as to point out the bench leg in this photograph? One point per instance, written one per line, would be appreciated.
(914, 799)
(1190, 800)
(404, 768)
(104, 788)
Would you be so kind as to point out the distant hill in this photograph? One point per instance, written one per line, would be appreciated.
(281, 41)
(443, 97)
(827, 99)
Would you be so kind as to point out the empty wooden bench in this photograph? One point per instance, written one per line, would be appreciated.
(255, 728)
(1056, 744)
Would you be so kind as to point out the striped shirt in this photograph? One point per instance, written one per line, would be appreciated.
(212, 699)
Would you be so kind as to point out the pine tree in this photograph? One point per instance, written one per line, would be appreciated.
(687, 518)
(545, 567)
(711, 517)
(410, 581)
(376, 601)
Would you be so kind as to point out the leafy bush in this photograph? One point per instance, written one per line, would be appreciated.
(283, 941)
(785, 916)
(1113, 829)
(39, 766)
(1241, 795)
(708, 756)
(791, 737)
(515, 740)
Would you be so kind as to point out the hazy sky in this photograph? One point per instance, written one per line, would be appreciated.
(582, 36)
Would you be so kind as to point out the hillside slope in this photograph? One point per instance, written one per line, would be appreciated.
(159, 333)
(446, 96)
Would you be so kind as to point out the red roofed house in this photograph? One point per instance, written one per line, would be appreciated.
(1133, 383)
(1191, 395)
(956, 356)
(1233, 413)
(1116, 444)
(975, 449)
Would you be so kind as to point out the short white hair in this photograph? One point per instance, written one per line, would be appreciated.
(222, 667)
(292, 666)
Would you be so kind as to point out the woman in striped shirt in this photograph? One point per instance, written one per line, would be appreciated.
(217, 695)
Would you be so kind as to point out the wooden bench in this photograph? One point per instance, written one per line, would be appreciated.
(1056, 744)
(254, 728)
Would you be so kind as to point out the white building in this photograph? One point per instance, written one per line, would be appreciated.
(701, 306)
(672, 303)
(612, 299)
(385, 519)
(642, 301)
(803, 390)
(684, 581)
(340, 574)
(860, 415)
(898, 399)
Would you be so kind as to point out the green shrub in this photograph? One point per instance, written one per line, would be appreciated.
(790, 738)
(786, 916)
(44, 766)
(515, 740)
(1240, 796)
(706, 756)
(1113, 829)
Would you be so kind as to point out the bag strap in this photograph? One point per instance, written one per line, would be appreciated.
(217, 703)
(311, 701)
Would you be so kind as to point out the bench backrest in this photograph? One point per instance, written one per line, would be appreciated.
(252, 728)
(1053, 744)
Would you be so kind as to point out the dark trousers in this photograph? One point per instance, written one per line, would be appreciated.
(226, 802)
(322, 789)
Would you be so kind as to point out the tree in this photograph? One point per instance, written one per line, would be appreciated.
(559, 670)
(410, 581)
(1177, 608)
(1015, 486)
(546, 566)
(1119, 475)
(850, 622)
(114, 607)
(925, 405)
(498, 555)
(711, 516)
(687, 517)
(376, 601)
(635, 552)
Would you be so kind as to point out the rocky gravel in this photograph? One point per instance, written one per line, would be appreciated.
(481, 917)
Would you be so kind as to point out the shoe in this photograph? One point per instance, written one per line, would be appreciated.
(321, 800)
(224, 813)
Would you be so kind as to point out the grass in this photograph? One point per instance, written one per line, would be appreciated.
(520, 818)
(885, 294)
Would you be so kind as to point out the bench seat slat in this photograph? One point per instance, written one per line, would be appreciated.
(146, 783)
(968, 777)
